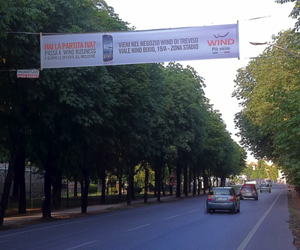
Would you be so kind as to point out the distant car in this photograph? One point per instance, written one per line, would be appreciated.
(223, 198)
(265, 187)
(269, 182)
(249, 191)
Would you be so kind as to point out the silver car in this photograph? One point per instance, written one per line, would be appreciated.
(249, 191)
(223, 198)
(265, 187)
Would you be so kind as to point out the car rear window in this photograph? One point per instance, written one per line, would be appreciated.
(221, 192)
(248, 187)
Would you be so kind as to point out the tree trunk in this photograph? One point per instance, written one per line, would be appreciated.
(205, 182)
(7, 185)
(146, 184)
(132, 188)
(190, 180)
(85, 189)
(47, 189)
(155, 180)
(185, 184)
(103, 178)
(75, 187)
(171, 186)
(120, 181)
(195, 183)
(158, 181)
(57, 184)
(22, 186)
(85, 179)
(107, 186)
(162, 187)
(178, 173)
(129, 190)
(223, 181)
(162, 179)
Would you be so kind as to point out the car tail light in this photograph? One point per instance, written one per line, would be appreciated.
(254, 191)
(209, 197)
(232, 199)
(242, 191)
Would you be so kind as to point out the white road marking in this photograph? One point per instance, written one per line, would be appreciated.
(138, 227)
(82, 245)
(192, 211)
(252, 232)
(172, 217)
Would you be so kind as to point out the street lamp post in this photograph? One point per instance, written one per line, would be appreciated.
(276, 46)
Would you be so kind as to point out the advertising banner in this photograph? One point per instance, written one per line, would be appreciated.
(134, 47)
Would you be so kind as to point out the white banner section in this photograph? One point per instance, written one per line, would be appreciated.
(134, 47)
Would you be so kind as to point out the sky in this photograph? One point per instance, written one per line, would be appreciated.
(258, 21)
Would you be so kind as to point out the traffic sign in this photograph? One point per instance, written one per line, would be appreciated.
(172, 175)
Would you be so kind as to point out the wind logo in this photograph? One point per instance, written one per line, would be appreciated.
(221, 40)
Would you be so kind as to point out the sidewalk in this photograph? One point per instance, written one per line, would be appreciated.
(30, 218)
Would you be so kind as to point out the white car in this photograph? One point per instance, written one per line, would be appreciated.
(265, 187)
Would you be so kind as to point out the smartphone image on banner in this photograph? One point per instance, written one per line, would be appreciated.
(107, 48)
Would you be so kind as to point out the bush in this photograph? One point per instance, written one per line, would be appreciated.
(93, 188)
(113, 190)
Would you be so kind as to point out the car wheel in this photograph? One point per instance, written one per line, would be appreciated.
(260, 191)
(207, 210)
(242, 198)
(256, 198)
(270, 191)
(233, 211)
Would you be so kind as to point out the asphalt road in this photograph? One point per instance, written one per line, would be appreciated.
(261, 224)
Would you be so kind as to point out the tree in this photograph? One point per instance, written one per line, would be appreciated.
(184, 110)
(295, 13)
(269, 90)
(19, 50)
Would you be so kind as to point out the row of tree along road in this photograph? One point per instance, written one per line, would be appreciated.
(85, 124)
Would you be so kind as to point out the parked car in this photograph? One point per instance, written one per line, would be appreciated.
(223, 198)
(249, 191)
(265, 187)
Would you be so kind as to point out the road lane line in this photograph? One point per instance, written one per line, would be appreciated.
(254, 229)
(82, 245)
(195, 210)
(172, 217)
(138, 227)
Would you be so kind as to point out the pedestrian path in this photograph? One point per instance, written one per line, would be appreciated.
(30, 218)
